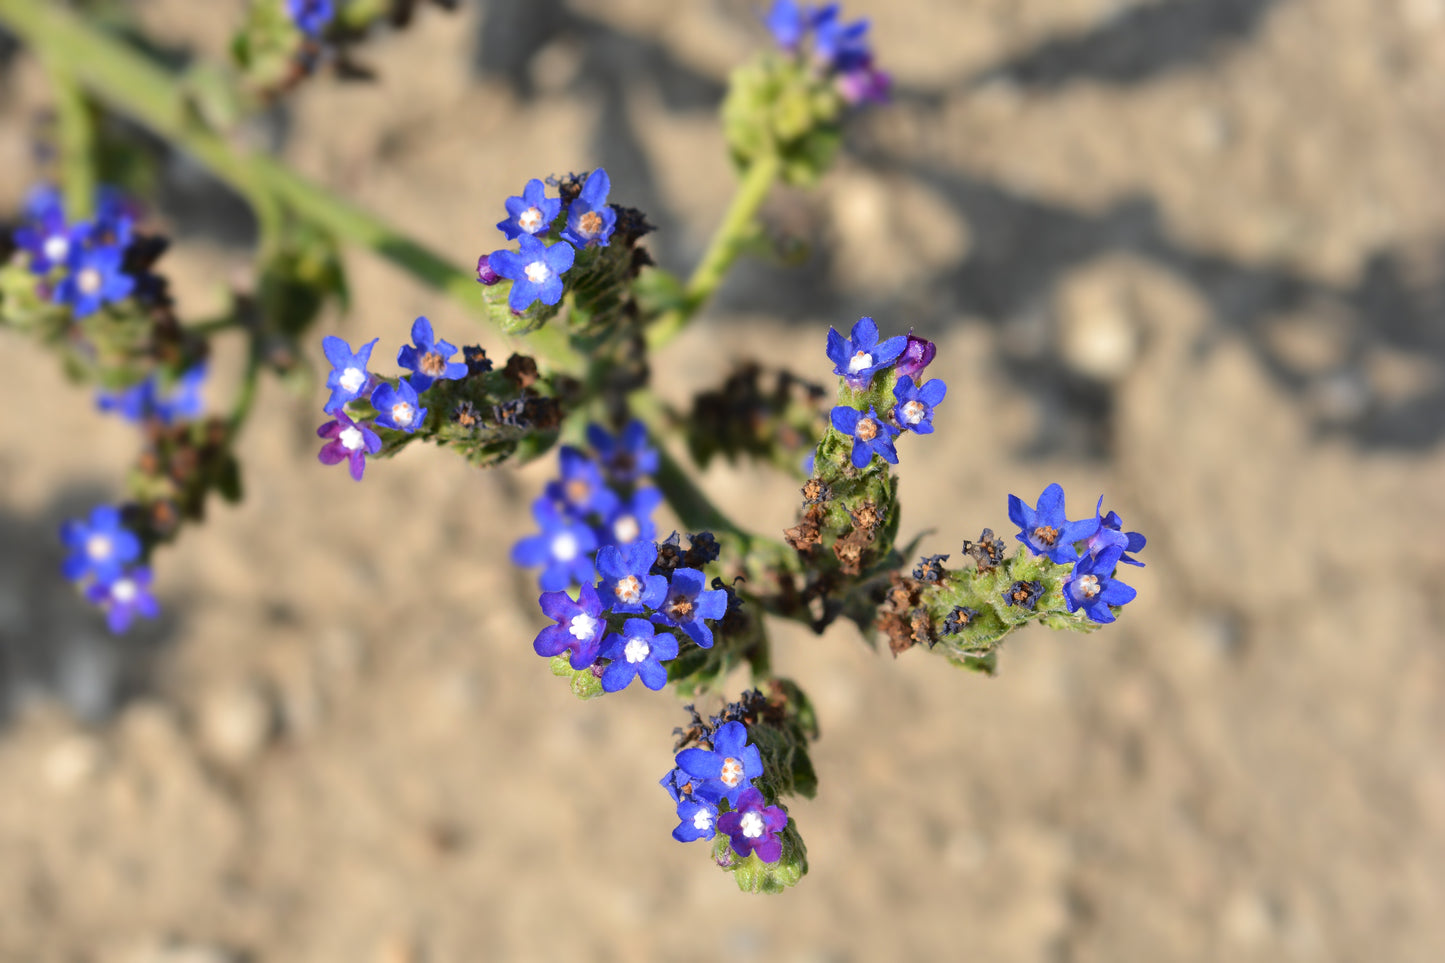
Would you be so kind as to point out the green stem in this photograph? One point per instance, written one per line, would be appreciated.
(77, 142)
(134, 85)
(737, 227)
(246, 394)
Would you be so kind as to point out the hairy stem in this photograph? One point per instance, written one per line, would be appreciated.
(77, 142)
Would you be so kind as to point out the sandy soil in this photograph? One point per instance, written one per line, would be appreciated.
(1186, 253)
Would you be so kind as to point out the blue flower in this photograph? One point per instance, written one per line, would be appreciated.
(398, 408)
(631, 521)
(563, 548)
(144, 400)
(871, 435)
(427, 360)
(636, 652)
(753, 825)
(348, 441)
(786, 23)
(43, 201)
(124, 598)
(349, 379)
(1045, 530)
(677, 783)
(858, 357)
(627, 456)
(135, 403)
(311, 16)
(95, 278)
(914, 409)
(579, 627)
(115, 216)
(581, 490)
(100, 546)
(536, 272)
(47, 237)
(839, 46)
(1093, 588)
(1110, 534)
(689, 602)
(696, 820)
(627, 582)
(589, 219)
(727, 770)
(530, 214)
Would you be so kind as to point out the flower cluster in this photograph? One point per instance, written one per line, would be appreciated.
(80, 263)
(578, 219)
(101, 552)
(857, 359)
(714, 793)
(311, 16)
(836, 49)
(1093, 546)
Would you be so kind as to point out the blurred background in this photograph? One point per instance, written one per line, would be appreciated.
(1186, 253)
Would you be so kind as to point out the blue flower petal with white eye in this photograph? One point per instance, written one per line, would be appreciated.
(590, 220)
(530, 214)
(1045, 530)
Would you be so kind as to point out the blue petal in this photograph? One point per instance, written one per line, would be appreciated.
(337, 352)
(837, 349)
(865, 335)
(700, 763)
(664, 646)
(845, 419)
(1117, 593)
(699, 633)
(862, 454)
(1051, 505)
(560, 256)
(712, 604)
(653, 675)
(522, 296)
(688, 582)
(619, 674)
(888, 352)
(594, 192)
(421, 332)
(932, 393)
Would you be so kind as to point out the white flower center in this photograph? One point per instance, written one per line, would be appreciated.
(732, 772)
(914, 411)
(351, 438)
(1089, 586)
(702, 820)
(629, 590)
(751, 824)
(98, 547)
(636, 650)
(538, 272)
(530, 220)
(352, 379)
(123, 590)
(402, 413)
(89, 280)
(56, 247)
(626, 529)
(859, 361)
(582, 626)
(565, 547)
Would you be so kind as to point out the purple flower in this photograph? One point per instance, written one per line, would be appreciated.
(1045, 530)
(696, 820)
(95, 278)
(726, 770)
(864, 84)
(1093, 588)
(349, 441)
(631, 521)
(589, 219)
(915, 404)
(689, 602)
(485, 274)
(1110, 534)
(581, 489)
(579, 626)
(786, 23)
(536, 272)
(427, 359)
(563, 548)
(349, 378)
(125, 598)
(99, 546)
(627, 456)
(917, 354)
(311, 16)
(871, 435)
(627, 582)
(636, 651)
(858, 357)
(753, 827)
(398, 408)
(530, 214)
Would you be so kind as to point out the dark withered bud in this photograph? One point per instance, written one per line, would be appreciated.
(816, 491)
(930, 568)
(702, 549)
(1023, 594)
(477, 361)
(521, 371)
(466, 415)
(960, 618)
(669, 556)
(987, 552)
(568, 186)
(512, 413)
(543, 413)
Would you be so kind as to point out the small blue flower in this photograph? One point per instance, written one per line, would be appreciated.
(915, 404)
(871, 435)
(786, 23)
(696, 820)
(427, 359)
(727, 770)
(124, 598)
(589, 219)
(46, 236)
(579, 628)
(535, 272)
(135, 403)
(348, 379)
(1111, 534)
(1092, 586)
(1045, 530)
(398, 408)
(631, 521)
(860, 356)
(95, 278)
(689, 602)
(677, 783)
(627, 456)
(563, 548)
(530, 214)
(840, 47)
(184, 401)
(580, 490)
(42, 201)
(636, 652)
(311, 16)
(100, 547)
(627, 582)
(115, 217)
